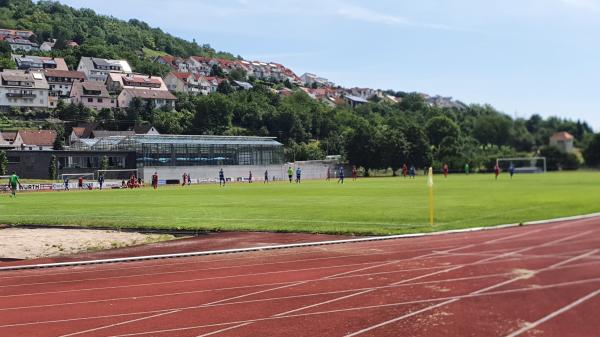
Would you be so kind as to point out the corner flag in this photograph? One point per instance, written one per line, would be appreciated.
(430, 184)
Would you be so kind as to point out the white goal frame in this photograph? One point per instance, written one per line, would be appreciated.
(137, 172)
(77, 175)
(531, 169)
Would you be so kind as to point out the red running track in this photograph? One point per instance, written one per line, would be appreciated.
(538, 280)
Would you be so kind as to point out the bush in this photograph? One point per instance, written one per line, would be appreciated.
(557, 160)
(592, 152)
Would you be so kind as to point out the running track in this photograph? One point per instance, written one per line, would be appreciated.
(538, 280)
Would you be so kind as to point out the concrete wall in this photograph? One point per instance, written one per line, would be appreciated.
(310, 170)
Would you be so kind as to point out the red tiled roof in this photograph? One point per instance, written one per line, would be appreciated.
(181, 76)
(38, 138)
(141, 80)
(562, 136)
(78, 131)
(65, 73)
(150, 94)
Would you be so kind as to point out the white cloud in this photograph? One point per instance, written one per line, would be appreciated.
(367, 15)
(593, 5)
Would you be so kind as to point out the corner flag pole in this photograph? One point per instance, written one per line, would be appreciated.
(430, 184)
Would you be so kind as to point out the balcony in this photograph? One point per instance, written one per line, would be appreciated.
(20, 95)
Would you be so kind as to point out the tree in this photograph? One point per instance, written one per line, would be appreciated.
(224, 87)
(558, 160)
(592, 152)
(52, 168)
(216, 71)
(104, 163)
(3, 163)
(59, 141)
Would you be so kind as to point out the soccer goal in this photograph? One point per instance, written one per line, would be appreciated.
(523, 164)
(123, 174)
(74, 176)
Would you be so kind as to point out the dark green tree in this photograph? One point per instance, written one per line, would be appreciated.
(3, 163)
(52, 168)
(592, 152)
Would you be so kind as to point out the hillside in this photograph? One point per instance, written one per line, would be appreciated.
(97, 35)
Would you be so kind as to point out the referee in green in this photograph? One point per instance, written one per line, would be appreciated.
(13, 181)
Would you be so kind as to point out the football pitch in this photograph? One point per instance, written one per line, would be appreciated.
(369, 206)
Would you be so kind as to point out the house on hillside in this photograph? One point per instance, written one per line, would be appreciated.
(81, 132)
(24, 34)
(60, 83)
(20, 88)
(354, 101)
(145, 129)
(19, 44)
(98, 69)
(32, 140)
(563, 141)
(116, 82)
(92, 95)
(27, 62)
(158, 98)
(48, 45)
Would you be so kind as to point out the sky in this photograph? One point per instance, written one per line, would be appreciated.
(523, 57)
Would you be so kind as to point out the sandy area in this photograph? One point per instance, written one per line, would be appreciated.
(20, 243)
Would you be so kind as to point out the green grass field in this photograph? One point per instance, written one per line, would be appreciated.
(369, 206)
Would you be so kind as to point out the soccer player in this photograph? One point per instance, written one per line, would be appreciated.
(185, 178)
(412, 172)
(445, 170)
(101, 181)
(341, 175)
(66, 182)
(511, 170)
(189, 179)
(221, 178)
(290, 173)
(154, 180)
(14, 182)
(354, 173)
(328, 174)
(266, 177)
(497, 170)
(467, 169)
(404, 170)
(250, 177)
(80, 183)
(298, 175)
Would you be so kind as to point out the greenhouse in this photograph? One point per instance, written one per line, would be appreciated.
(190, 150)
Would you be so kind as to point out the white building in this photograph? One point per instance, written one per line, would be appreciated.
(23, 89)
(97, 69)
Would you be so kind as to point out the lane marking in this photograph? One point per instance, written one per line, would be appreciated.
(558, 312)
(220, 301)
(502, 292)
(480, 291)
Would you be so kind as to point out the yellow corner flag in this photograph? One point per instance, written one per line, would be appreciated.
(430, 184)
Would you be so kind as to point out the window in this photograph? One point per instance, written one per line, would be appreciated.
(90, 100)
(99, 100)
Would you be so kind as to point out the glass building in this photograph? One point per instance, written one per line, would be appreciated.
(189, 150)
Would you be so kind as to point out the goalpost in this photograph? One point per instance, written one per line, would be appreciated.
(87, 176)
(523, 164)
(117, 174)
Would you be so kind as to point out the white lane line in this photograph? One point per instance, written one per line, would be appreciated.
(236, 297)
(480, 291)
(427, 275)
(159, 265)
(550, 316)
(310, 314)
(222, 330)
(200, 271)
(328, 293)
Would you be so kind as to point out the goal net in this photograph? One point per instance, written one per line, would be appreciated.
(124, 174)
(523, 164)
(75, 176)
